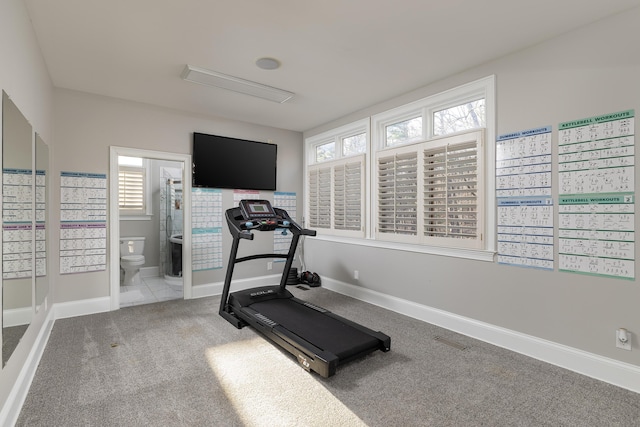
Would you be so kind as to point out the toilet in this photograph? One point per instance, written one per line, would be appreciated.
(131, 259)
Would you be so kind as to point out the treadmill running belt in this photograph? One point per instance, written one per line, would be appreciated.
(323, 331)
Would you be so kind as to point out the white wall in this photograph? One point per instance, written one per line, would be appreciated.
(585, 73)
(87, 125)
(23, 74)
(24, 77)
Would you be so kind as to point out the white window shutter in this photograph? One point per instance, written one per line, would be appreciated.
(444, 206)
(336, 196)
(347, 180)
(451, 190)
(398, 192)
(435, 192)
(320, 197)
(131, 181)
(462, 197)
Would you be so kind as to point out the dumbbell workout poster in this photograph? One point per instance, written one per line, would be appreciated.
(525, 205)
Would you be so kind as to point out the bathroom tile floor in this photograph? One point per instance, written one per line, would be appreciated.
(150, 290)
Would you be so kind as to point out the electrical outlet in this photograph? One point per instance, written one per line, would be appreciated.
(356, 274)
(270, 265)
(623, 339)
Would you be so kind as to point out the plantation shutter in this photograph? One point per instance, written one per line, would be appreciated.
(435, 192)
(397, 193)
(131, 189)
(462, 162)
(439, 190)
(320, 197)
(348, 179)
(450, 191)
(336, 196)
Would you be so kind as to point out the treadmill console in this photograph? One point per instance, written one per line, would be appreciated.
(256, 209)
(259, 214)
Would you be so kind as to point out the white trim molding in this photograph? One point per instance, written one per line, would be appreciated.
(64, 310)
(611, 371)
(13, 405)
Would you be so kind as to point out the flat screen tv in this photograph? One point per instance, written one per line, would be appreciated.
(223, 162)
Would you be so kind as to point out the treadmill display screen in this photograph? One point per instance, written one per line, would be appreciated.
(257, 208)
(252, 209)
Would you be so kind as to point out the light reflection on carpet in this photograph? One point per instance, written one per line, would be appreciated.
(267, 388)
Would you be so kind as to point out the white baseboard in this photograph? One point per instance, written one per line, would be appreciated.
(99, 305)
(82, 307)
(12, 406)
(150, 271)
(17, 316)
(592, 365)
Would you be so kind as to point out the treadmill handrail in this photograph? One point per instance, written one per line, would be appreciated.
(235, 221)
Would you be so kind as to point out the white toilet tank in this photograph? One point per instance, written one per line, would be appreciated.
(131, 246)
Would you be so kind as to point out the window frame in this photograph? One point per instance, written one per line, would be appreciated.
(337, 136)
(425, 107)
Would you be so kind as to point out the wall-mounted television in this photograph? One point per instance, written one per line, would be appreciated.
(223, 162)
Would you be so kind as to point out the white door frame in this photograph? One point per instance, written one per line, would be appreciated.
(114, 216)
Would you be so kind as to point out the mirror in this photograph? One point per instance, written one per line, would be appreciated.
(42, 204)
(17, 226)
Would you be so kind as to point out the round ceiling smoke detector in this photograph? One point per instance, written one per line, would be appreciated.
(268, 63)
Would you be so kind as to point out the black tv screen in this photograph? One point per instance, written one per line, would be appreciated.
(223, 162)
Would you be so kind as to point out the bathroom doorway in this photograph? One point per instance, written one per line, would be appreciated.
(162, 276)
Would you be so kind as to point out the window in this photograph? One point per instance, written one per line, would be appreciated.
(336, 183)
(432, 192)
(469, 115)
(404, 131)
(422, 174)
(355, 144)
(325, 152)
(351, 145)
(132, 186)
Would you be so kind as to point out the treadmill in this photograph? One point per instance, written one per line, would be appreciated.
(319, 339)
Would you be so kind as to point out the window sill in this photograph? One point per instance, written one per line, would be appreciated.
(472, 254)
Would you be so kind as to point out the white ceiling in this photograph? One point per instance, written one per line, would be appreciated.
(337, 56)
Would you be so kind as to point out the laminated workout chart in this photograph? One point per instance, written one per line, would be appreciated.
(17, 226)
(281, 242)
(525, 205)
(596, 162)
(206, 229)
(41, 232)
(83, 222)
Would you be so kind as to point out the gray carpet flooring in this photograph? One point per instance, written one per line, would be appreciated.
(178, 363)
